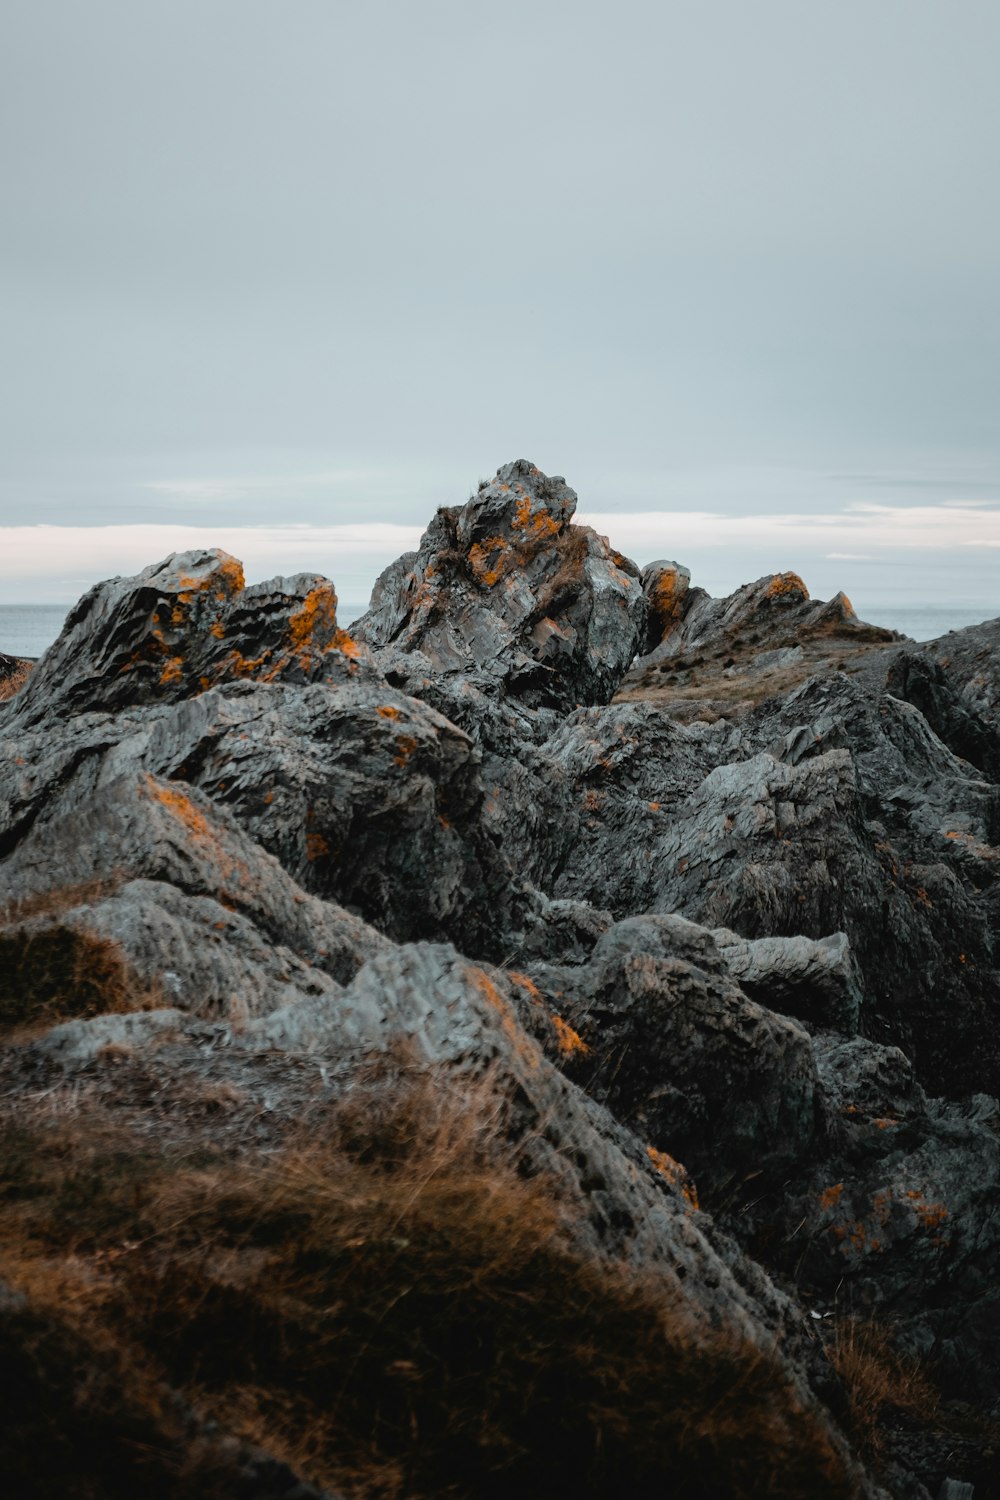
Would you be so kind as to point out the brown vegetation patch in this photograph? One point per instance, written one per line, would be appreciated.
(13, 678)
(50, 972)
(387, 1306)
(880, 1382)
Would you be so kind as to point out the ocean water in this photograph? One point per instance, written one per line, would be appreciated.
(924, 622)
(29, 629)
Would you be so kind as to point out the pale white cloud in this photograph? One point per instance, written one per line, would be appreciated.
(57, 563)
(860, 526)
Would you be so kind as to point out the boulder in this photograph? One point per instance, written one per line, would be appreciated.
(507, 592)
(181, 626)
(672, 1046)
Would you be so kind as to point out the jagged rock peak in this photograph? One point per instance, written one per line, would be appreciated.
(183, 625)
(506, 590)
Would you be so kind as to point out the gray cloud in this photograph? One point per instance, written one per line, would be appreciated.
(677, 252)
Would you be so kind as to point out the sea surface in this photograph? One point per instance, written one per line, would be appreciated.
(29, 629)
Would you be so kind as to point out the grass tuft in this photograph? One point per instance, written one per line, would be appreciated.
(390, 1308)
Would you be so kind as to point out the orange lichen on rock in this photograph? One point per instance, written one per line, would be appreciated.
(486, 559)
(528, 985)
(226, 578)
(386, 711)
(217, 629)
(405, 746)
(521, 1044)
(180, 804)
(666, 594)
(316, 846)
(784, 584)
(830, 1197)
(931, 1215)
(246, 666)
(536, 523)
(674, 1173)
(569, 1042)
(172, 671)
(318, 611)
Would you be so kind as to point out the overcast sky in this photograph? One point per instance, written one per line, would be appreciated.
(286, 274)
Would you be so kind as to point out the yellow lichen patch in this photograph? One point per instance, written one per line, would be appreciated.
(830, 1197)
(569, 1042)
(386, 711)
(486, 559)
(786, 583)
(316, 846)
(405, 746)
(217, 629)
(172, 671)
(674, 1173)
(524, 1048)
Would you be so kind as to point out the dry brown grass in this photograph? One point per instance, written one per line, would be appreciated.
(881, 1383)
(392, 1309)
(51, 970)
(58, 900)
(13, 681)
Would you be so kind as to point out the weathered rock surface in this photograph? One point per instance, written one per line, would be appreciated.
(679, 1054)
(507, 591)
(734, 933)
(182, 626)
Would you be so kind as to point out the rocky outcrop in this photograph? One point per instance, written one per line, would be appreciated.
(507, 592)
(184, 625)
(711, 658)
(662, 1034)
(716, 926)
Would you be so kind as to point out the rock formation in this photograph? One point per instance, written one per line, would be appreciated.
(697, 901)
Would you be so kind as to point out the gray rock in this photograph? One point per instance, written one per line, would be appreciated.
(817, 981)
(506, 590)
(682, 1056)
(181, 626)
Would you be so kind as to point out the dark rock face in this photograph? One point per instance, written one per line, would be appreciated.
(505, 590)
(655, 1008)
(733, 934)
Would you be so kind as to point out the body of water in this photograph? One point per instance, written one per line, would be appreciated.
(29, 629)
